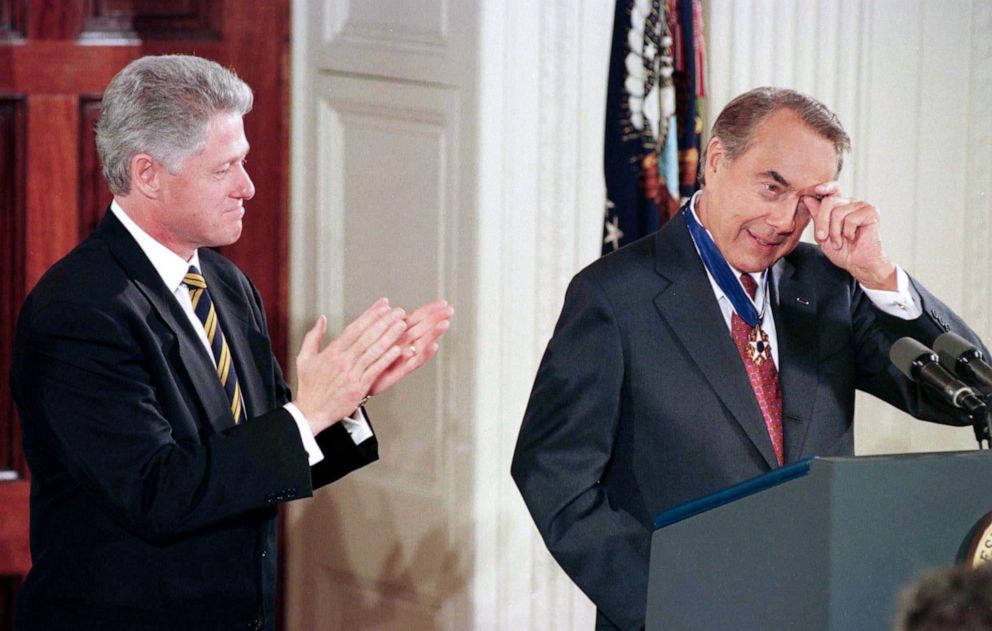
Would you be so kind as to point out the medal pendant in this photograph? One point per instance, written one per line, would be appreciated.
(758, 348)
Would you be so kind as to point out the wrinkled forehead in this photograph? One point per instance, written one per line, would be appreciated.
(791, 152)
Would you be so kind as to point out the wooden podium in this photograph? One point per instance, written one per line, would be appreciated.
(823, 544)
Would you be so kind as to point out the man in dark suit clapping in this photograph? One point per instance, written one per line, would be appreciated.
(157, 425)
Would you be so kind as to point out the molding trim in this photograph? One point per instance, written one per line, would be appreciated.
(13, 219)
(340, 28)
(395, 39)
(13, 20)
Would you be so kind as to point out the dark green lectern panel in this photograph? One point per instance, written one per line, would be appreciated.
(829, 550)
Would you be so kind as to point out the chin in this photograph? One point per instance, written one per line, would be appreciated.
(230, 238)
(235, 231)
(755, 264)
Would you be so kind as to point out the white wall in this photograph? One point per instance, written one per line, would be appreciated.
(454, 147)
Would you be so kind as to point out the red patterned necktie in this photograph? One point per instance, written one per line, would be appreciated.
(756, 355)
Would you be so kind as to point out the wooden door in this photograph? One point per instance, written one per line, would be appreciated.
(56, 57)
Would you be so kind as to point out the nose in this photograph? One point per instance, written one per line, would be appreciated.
(245, 188)
(783, 216)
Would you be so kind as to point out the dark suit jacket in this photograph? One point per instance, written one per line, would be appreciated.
(150, 509)
(641, 401)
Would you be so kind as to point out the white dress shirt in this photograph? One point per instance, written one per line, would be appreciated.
(172, 269)
(899, 303)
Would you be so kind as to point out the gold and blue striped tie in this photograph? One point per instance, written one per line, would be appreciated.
(203, 306)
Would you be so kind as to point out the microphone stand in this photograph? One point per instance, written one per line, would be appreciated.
(981, 422)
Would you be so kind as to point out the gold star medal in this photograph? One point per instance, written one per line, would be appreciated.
(758, 348)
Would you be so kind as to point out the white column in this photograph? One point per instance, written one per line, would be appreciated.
(542, 83)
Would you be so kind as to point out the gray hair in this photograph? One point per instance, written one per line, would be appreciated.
(162, 106)
(736, 123)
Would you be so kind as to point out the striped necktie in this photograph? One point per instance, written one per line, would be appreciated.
(203, 306)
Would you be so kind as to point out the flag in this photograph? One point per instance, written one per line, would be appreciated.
(686, 23)
(640, 111)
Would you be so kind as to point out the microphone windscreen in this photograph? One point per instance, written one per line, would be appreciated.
(949, 346)
(904, 352)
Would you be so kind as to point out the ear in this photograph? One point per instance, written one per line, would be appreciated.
(715, 156)
(146, 175)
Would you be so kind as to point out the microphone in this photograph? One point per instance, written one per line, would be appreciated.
(965, 360)
(920, 364)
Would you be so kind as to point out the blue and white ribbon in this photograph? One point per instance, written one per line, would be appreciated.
(720, 270)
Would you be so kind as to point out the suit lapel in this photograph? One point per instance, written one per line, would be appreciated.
(193, 357)
(688, 306)
(796, 326)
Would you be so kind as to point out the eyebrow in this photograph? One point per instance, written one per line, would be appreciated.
(775, 175)
(235, 158)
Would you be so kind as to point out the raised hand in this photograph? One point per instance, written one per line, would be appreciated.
(848, 233)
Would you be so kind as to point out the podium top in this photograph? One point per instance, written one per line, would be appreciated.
(784, 474)
(733, 493)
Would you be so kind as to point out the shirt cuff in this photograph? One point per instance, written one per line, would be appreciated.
(900, 303)
(314, 454)
(358, 426)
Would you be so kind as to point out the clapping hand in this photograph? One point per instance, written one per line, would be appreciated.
(378, 349)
